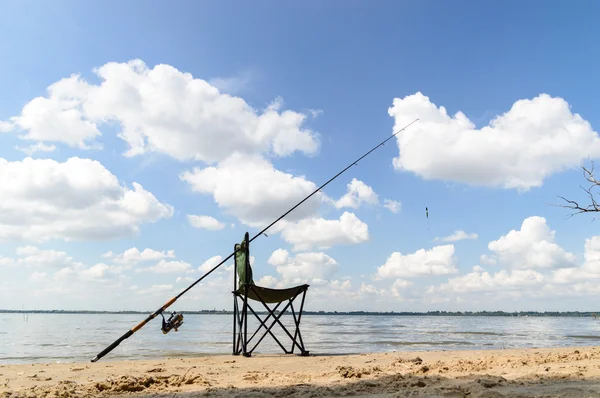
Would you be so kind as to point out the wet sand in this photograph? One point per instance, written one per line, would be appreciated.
(557, 372)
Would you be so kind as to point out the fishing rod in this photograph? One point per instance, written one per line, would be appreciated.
(176, 319)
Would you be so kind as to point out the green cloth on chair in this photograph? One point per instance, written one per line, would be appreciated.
(272, 295)
(240, 264)
(257, 292)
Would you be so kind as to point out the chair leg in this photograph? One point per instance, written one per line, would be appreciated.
(269, 330)
(238, 321)
(303, 352)
(234, 324)
(279, 322)
(263, 324)
(241, 341)
(245, 316)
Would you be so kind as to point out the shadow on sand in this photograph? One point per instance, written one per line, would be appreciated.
(397, 385)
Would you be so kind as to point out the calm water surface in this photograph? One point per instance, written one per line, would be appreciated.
(78, 337)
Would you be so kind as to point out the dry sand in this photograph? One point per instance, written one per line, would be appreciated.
(561, 372)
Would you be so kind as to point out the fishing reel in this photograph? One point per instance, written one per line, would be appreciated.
(174, 322)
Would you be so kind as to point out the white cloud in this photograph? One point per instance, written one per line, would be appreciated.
(85, 277)
(457, 236)
(304, 267)
(488, 260)
(34, 257)
(6, 127)
(39, 276)
(233, 84)
(156, 289)
(399, 287)
(592, 255)
(588, 271)
(321, 233)
(439, 260)
(57, 273)
(59, 117)
(279, 257)
(530, 247)
(161, 109)
(206, 222)
(478, 281)
(522, 251)
(210, 264)
(392, 205)
(37, 147)
(517, 150)
(168, 267)
(267, 281)
(134, 256)
(368, 290)
(357, 193)
(74, 200)
(31, 256)
(250, 188)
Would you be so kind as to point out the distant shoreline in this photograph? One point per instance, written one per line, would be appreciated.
(346, 313)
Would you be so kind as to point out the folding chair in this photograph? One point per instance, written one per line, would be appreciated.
(248, 290)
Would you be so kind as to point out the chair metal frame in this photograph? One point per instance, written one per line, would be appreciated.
(240, 316)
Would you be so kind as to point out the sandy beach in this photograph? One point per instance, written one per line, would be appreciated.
(560, 372)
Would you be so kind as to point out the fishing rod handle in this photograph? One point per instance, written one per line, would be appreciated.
(113, 345)
(134, 329)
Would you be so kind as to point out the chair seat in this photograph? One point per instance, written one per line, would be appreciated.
(271, 295)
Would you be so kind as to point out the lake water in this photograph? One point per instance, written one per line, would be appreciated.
(79, 337)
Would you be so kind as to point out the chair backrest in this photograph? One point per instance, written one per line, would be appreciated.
(242, 261)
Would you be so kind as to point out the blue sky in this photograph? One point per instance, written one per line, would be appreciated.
(341, 65)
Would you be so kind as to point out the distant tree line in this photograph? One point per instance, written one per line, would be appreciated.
(343, 313)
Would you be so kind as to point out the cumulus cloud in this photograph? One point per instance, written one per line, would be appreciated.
(134, 256)
(482, 281)
(592, 255)
(533, 266)
(399, 288)
(517, 150)
(80, 276)
(59, 117)
(37, 147)
(369, 290)
(303, 267)
(32, 256)
(168, 267)
(392, 205)
(457, 236)
(6, 127)
(323, 234)
(532, 246)
(38, 276)
(251, 189)
(268, 281)
(74, 200)
(156, 289)
(279, 257)
(358, 193)
(439, 260)
(160, 109)
(210, 264)
(205, 222)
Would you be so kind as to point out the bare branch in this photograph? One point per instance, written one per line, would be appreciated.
(593, 206)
